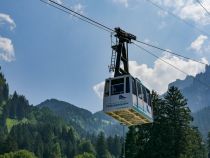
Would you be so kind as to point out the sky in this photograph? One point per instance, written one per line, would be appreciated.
(45, 53)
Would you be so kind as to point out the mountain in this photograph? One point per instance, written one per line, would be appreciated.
(196, 89)
(201, 120)
(83, 120)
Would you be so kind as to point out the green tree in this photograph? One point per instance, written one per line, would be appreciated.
(56, 151)
(17, 107)
(19, 154)
(10, 144)
(39, 147)
(142, 139)
(85, 155)
(85, 146)
(114, 145)
(4, 89)
(209, 145)
(101, 147)
(131, 145)
(170, 135)
(178, 121)
(4, 95)
(195, 145)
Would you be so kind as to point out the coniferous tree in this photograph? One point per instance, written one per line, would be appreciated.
(157, 144)
(195, 145)
(131, 146)
(110, 144)
(101, 147)
(39, 147)
(4, 89)
(209, 145)
(56, 151)
(170, 135)
(179, 119)
(85, 155)
(117, 145)
(144, 138)
(86, 146)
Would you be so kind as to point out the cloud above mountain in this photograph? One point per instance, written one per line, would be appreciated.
(187, 9)
(161, 74)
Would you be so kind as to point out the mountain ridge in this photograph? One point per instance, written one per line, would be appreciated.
(82, 119)
(195, 89)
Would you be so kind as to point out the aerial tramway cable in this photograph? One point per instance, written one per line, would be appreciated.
(168, 51)
(175, 67)
(108, 29)
(206, 10)
(85, 17)
(73, 13)
(125, 97)
(177, 17)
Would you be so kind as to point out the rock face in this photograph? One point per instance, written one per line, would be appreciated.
(196, 89)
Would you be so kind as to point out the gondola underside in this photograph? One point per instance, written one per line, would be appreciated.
(129, 116)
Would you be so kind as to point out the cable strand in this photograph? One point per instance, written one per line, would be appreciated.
(203, 7)
(175, 16)
(176, 68)
(93, 21)
(168, 51)
(75, 15)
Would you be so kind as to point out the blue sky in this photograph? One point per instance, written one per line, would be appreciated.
(46, 53)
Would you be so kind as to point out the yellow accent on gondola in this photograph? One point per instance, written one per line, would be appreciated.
(128, 116)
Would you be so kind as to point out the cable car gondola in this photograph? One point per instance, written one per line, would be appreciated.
(125, 98)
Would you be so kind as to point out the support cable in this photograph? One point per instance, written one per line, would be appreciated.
(168, 51)
(77, 16)
(198, 1)
(178, 69)
(177, 17)
(105, 28)
(85, 17)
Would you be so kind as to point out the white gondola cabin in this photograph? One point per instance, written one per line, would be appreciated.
(127, 100)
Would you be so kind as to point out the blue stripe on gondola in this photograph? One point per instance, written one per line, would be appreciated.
(143, 113)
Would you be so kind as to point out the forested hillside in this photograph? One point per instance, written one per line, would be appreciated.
(83, 120)
(56, 129)
(44, 135)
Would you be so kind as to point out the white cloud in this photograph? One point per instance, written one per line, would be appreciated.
(5, 18)
(197, 45)
(161, 74)
(188, 9)
(79, 8)
(123, 2)
(99, 89)
(6, 49)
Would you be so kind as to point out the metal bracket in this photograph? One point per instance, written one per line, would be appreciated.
(119, 60)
